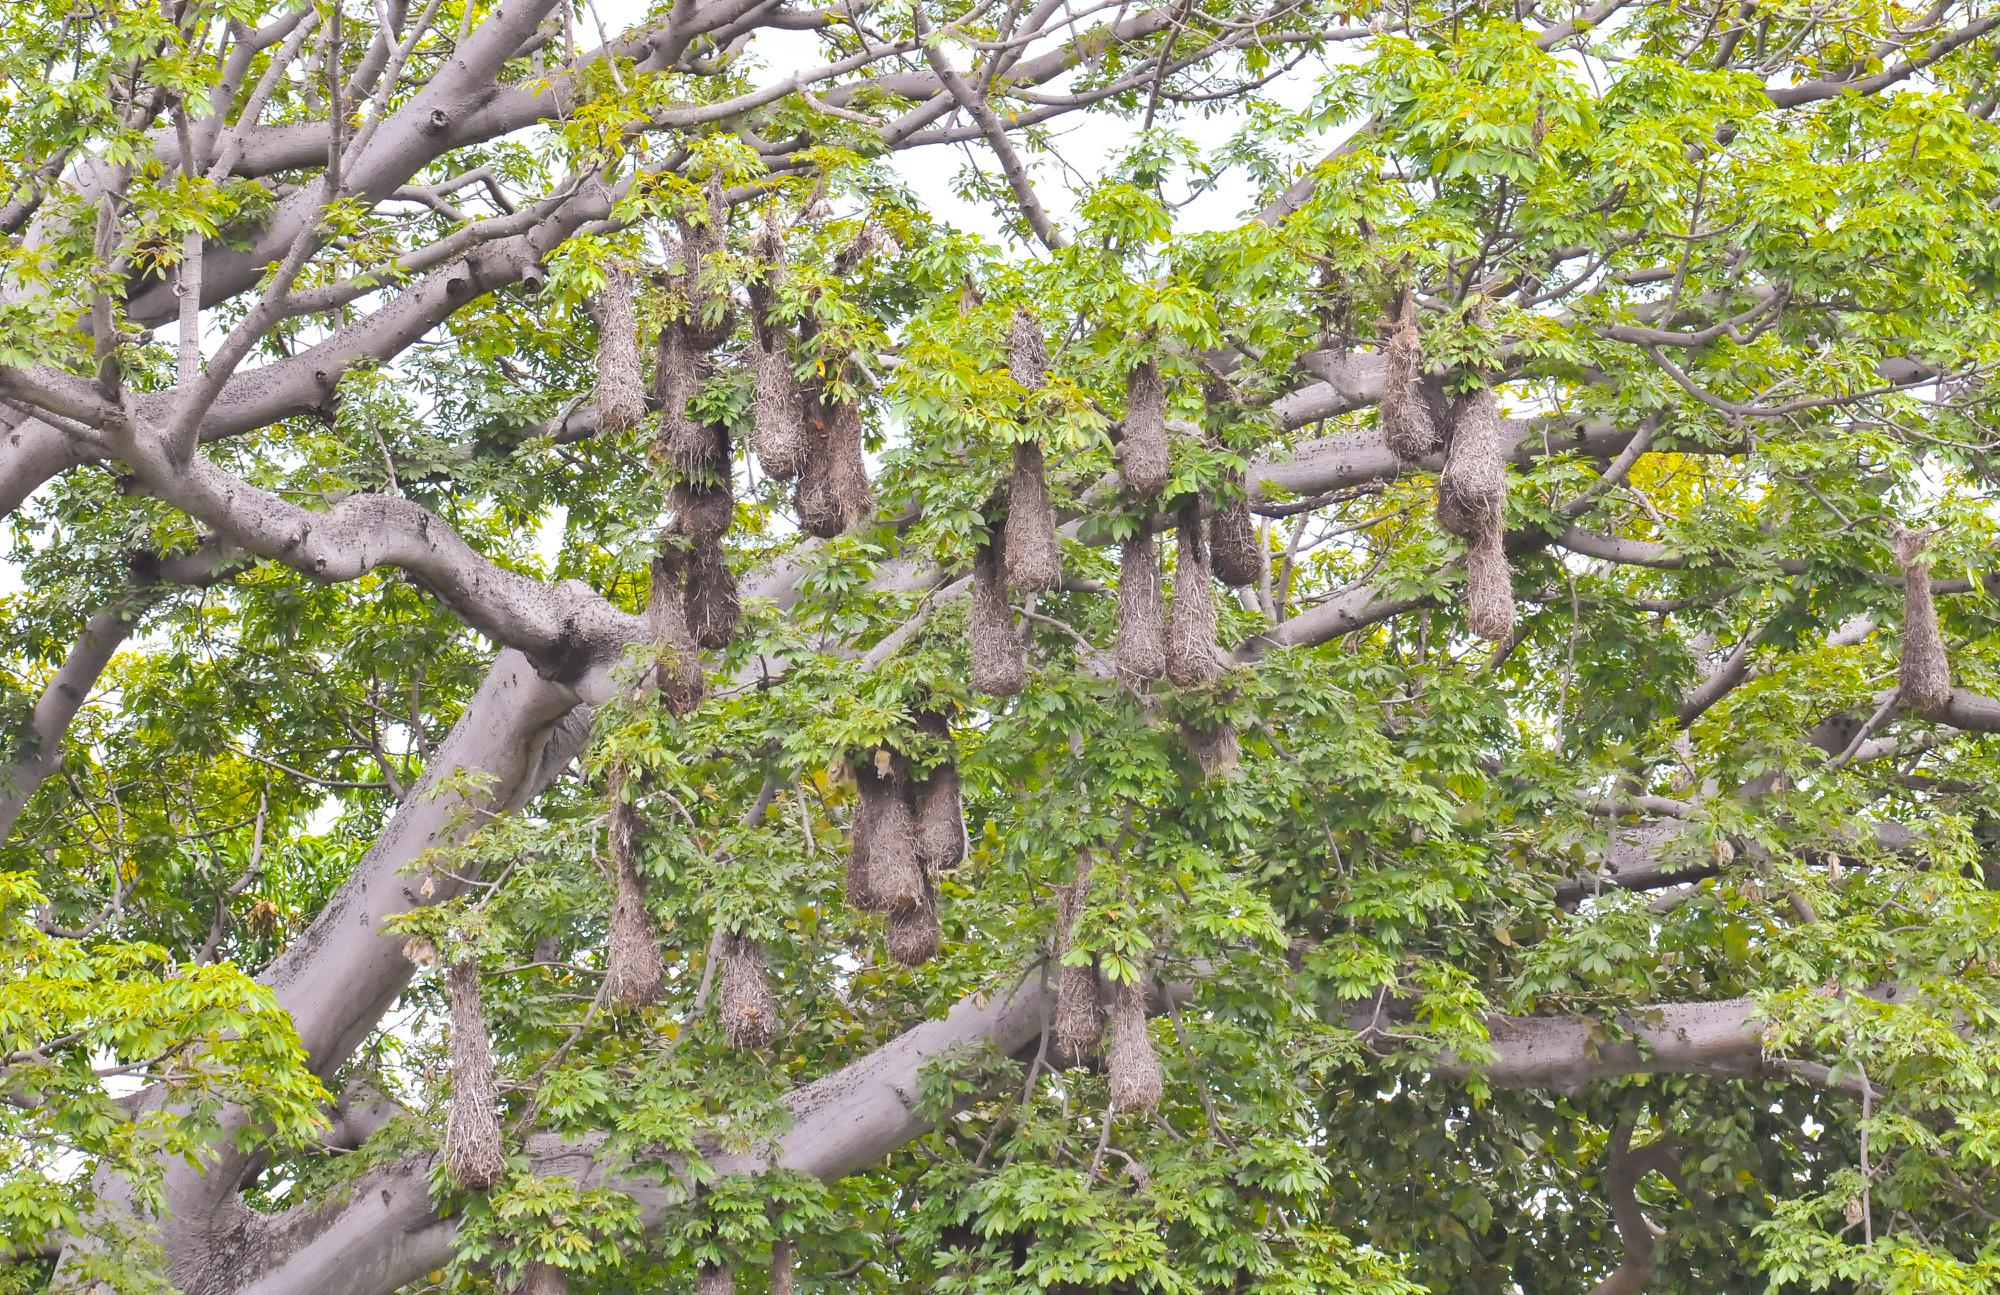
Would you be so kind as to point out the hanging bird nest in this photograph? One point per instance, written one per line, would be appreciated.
(1489, 587)
(1141, 649)
(999, 656)
(1213, 746)
(1471, 502)
(714, 606)
(1130, 1063)
(677, 668)
(1191, 622)
(708, 314)
(1027, 351)
(834, 494)
(868, 240)
(749, 1010)
(778, 415)
(621, 392)
(1235, 551)
(1472, 488)
(1145, 455)
(1034, 556)
(860, 831)
(895, 877)
(704, 506)
(915, 933)
(633, 969)
(1079, 1019)
(1924, 675)
(692, 449)
(940, 807)
(767, 245)
(1405, 412)
(474, 1155)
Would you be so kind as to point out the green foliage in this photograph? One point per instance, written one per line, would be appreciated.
(1616, 226)
(77, 1012)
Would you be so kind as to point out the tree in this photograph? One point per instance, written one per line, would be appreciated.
(603, 700)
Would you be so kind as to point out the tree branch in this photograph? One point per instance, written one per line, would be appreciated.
(100, 640)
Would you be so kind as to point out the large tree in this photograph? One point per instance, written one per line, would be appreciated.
(600, 697)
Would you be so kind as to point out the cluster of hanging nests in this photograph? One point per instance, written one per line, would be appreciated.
(1022, 556)
(909, 823)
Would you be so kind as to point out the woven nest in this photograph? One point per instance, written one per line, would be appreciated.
(1130, 1063)
(633, 969)
(1235, 552)
(767, 245)
(621, 392)
(714, 606)
(1489, 587)
(1145, 455)
(1141, 650)
(915, 934)
(709, 318)
(940, 820)
(749, 1010)
(999, 657)
(1191, 622)
(474, 1155)
(1471, 502)
(1079, 1019)
(691, 448)
(1405, 412)
(703, 508)
(1027, 351)
(677, 664)
(1033, 556)
(1472, 489)
(867, 804)
(778, 415)
(1924, 675)
(834, 494)
(895, 877)
(1213, 746)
